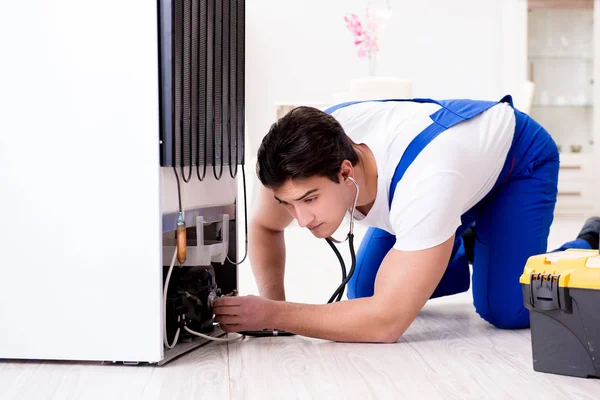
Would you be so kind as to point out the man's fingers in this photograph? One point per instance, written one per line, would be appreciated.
(227, 319)
(226, 301)
(231, 328)
(226, 310)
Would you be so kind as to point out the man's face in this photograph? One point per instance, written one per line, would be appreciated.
(317, 203)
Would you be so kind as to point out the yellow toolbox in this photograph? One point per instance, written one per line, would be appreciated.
(562, 292)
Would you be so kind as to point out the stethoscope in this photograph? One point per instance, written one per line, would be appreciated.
(337, 295)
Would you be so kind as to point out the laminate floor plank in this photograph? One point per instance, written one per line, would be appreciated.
(201, 374)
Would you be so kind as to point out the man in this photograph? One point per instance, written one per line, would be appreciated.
(427, 171)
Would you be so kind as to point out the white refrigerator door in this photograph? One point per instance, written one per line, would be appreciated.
(80, 220)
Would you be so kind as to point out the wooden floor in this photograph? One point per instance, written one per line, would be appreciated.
(448, 353)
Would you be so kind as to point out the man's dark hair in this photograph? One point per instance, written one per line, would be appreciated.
(305, 142)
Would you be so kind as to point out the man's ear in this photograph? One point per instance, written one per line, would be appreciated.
(346, 170)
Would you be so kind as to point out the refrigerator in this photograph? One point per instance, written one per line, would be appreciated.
(120, 122)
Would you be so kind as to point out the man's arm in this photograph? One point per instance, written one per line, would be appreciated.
(266, 245)
(404, 283)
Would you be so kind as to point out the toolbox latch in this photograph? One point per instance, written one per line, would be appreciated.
(545, 293)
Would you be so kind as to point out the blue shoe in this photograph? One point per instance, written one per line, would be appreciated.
(590, 232)
(591, 226)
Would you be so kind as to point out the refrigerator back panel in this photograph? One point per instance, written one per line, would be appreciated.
(202, 86)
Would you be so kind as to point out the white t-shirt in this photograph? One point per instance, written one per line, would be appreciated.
(452, 174)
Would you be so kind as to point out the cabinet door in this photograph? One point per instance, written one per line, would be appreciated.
(560, 57)
(551, 45)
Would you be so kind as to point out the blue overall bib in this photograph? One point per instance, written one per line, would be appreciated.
(512, 221)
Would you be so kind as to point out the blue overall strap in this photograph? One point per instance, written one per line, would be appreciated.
(349, 103)
(341, 105)
(451, 113)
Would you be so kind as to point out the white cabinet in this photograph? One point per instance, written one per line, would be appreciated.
(577, 185)
(553, 43)
(557, 41)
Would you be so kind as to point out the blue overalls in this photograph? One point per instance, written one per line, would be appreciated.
(512, 221)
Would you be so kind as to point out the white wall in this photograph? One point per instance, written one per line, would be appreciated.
(302, 51)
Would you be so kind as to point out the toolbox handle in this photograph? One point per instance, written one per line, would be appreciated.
(547, 295)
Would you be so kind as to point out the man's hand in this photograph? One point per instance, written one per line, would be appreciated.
(243, 313)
